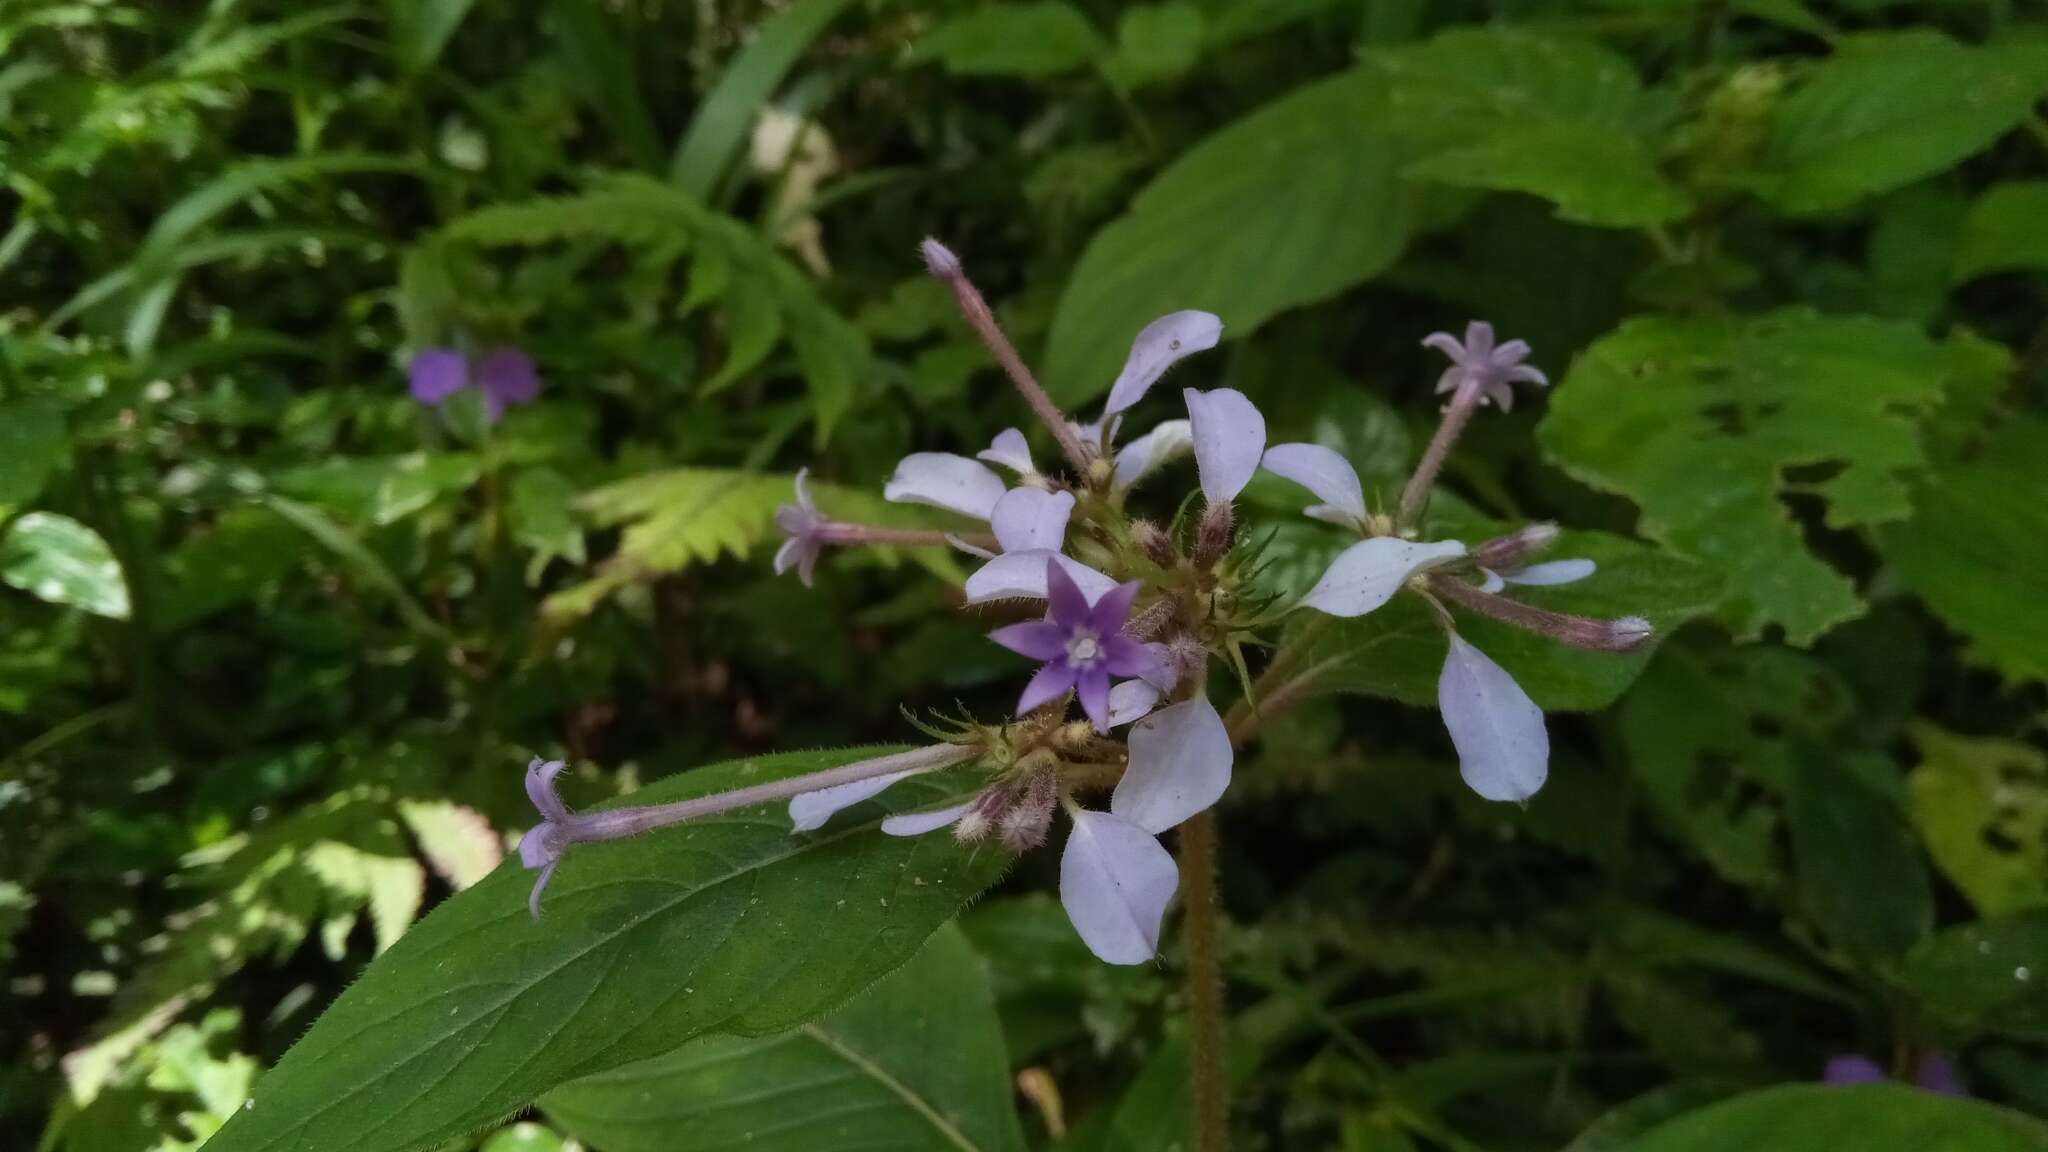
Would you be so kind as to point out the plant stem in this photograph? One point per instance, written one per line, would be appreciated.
(1204, 983)
(1416, 493)
(976, 312)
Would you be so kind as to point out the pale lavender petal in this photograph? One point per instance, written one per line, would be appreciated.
(1938, 1074)
(1492, 581)
(919, 823)
(1523, 373)
(1130, 700)
(1107, 616)
(1551, 573)
(1066, 605)
(1165, 670)
(1478, 342)
(1445, 343)
(540, 788)
(1367, 574)
(535, 848)
(944, 480)
(1123, 656)
(1180, 765)
(971, 549)
(1048, 684)
(1158, 346)
(1853, 1070)
(1323, 472)
(797, 553)
(1010, 450)
(803, 490)
(540, 882)
(1021, 575)
(1091, 685)
(1035, 639)
(811, 809)
(1230, 436)
(1031, 518)
(1115, 883)
(1503, 748)
(1451, 378)
(1510, 353)
(436, 374)
(507, 376)
(1161, 446)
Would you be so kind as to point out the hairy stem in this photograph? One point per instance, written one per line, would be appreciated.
(834, 532)
(1204, 983)
(1456, 415)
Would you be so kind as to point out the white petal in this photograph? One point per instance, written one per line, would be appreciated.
(1503, 749)
(1230, 436)
(1492, 582)
(1180, 765)
(787, 555)
(1130, 700)
(1367, 574)
(1551, 573)
(919, 823)
(1021, 575)
(811, 809)
(1028, 518)
(944, 480)
(1010, 450)
(1158, 345)
(1115, 881)
(971, 549)
(1157, 448)
(1323, 472)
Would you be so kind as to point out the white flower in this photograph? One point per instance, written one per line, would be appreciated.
(1180, 765)
(1010, 450)
(1548, 574)
(1166, 442)
(1115, 883)
(1230, 438)
(1031, 527)
(1503, 748)
(944, 480)
(1158, 346)
(1367, 574)
(1328, 475)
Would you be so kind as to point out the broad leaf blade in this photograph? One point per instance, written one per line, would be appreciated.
(1804, 1117)
(915, 1064)
(728, 925)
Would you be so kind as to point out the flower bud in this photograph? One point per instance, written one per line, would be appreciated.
(1504, 552)
(939, 259)
(1213, 534)
(1153, 542)
(1025, 824)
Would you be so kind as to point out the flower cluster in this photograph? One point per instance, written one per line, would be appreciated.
(1137, 614)
(504, 376)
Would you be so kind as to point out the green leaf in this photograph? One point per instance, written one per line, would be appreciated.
(32, 445)
(1805, 1117)
(1713, 739)
(1987, 975)
(1156, 42)
(1982, 807)
(2007, 228)
(1977, 549)
(542, 519)
(1289, 205)
(730, 925)
(723, 121)
(1855, 858)
(914, 1064)
(1398, 650)
(599, 59)
(1512, 110)
(1594, 175)
(1618, 1128)
(1036, 39)
(58, 560)
(1707, 424)
(421, 28)
(1890, 108)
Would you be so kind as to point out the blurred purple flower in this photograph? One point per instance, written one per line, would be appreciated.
(1936, 1074)
(1082, 645)
(505, 376)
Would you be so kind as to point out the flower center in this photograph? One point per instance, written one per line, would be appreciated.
(1083, 649)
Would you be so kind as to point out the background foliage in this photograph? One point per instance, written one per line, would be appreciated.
(275, 640)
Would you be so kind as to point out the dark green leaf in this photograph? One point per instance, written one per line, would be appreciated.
(1703, 422)
(1988, 974)
(916, 1063)
(2007, 228)
(421, 28)
(1857, 862)
(32, 445)
(1287, 206)
(1033, 39)
(729, 925)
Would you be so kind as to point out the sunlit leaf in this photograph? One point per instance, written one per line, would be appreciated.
(1982, 806)
(56, 559)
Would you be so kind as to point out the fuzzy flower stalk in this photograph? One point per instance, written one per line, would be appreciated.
(1122, 609)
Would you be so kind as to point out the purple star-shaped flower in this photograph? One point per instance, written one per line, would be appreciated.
(505, 376)
(1082, 645)
(1488, 368)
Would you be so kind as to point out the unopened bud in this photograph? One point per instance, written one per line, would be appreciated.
(1631, 631)
(939, 259)
(1151, 620)
(1153, 542)
(1025, 825)
(1506, 552)
(1099, 470)
(1213, 534)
